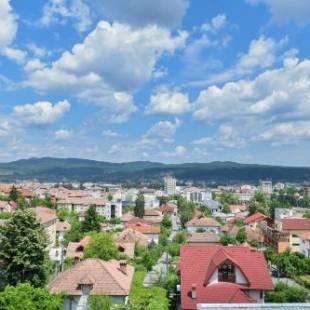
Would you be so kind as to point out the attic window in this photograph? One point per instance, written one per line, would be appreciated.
(226, 273)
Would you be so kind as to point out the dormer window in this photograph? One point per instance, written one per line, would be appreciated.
(226, 273)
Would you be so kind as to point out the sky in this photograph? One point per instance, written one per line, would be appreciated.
(170, 81)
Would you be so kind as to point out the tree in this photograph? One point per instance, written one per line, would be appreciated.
(180, 237)
(241, 235)
(260, 203)
(166, 223)
(100, 302)
(110, 197)
(23, 250)
(227, 239)
(91, 221)
(14, 194)
(139, 207)
(25, 296)
(102, 245)
(163, 200)
(285, 293)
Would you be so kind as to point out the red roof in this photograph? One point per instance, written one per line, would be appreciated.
(296, 224)
(168, 208)
(198, 264)
(224, 292)
(257, 217)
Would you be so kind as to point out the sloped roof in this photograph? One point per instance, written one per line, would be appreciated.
(197, 263)
(256, 217)
(144, 228)
(131, 235)
(44, 214)
(203, 222)
(106, 277)
(295, 224)
(226, 293)
(203, 238)
(63, 226)
(168, 208)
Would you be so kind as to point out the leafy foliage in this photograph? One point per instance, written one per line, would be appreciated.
(285, 293)
(141, 298)
(100, 302)
(23, 250)
(102, 245)
(241, 235)
(91, 221)
(25, 296)
(139, 205)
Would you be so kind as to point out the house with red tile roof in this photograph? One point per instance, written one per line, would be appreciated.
(222, 274)
(150, 231)
(237, 208)
(94, 277)
(256, 218)
(294, 227)
(208, 224)
(169, 208)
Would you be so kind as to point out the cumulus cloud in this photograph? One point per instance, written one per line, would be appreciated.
(107, 74)
(179, 150)
(8, 30)
(63, 134)
(42, 112)
(277, 96)
(161, 132)
(111, 134)
(166, 101)
(62, 11)
(141, 13)
(285, 11)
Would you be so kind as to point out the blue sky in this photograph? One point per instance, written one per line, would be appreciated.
(170, 81)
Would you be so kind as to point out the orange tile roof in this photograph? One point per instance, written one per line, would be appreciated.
(145, 228)
(203, 221)
(296, 224)
(107, 278)
(44, 214)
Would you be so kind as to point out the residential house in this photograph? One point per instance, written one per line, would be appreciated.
(237, 209)
(104, 207)
(93, 277)
(169, 208)
(203, 238)
(76, 249)
(294, 227)
(206, 224)
(150, 231)
(253, 220)
(304, 244)
(61, 228)
(133, 236)
(8, 206)
(214, 205)
(151, 200)
(222, 274)
(47, 218)
(153, 216)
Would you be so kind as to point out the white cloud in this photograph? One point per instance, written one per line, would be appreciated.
(287, 133)
(63, 134)
(42, 112)
(217, 22)
(141, 13)
(37, 51)
(161, 132)
(106, 74)
(166, 101)
(262, 54)
(62, 11)
(8, 30)
(278, 96)
(179, 150)
(111, 134)
(285, 11)
(34, 65)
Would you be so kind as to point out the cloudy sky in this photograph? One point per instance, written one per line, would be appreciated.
(170, 81)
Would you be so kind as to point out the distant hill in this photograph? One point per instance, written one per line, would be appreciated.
(73, 169)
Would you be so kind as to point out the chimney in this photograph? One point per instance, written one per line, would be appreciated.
(123, 267)
(193, 291)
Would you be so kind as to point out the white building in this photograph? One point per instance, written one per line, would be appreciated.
(304, 245)
(265, 187)
(170, 185)
(197, 195)
(151, 201)
(108, 209)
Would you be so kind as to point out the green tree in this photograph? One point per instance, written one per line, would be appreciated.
(166, 223)
(285, 293)
(180, 237)
(260, 203)
(14, 194)
(228, 239)
(110, 197)
(91, 221)
(23, 250)
(228, 198)
(25, 296)
(100, 302)
(241, 235)
(139, 207)
(102, 245)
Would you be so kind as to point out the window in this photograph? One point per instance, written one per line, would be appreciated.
(226, 273)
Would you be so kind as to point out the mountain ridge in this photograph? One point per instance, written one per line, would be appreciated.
(79, 169)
